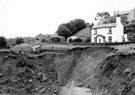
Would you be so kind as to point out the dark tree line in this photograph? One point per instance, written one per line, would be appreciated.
(19, 41)
(71, 28)
(3, 42)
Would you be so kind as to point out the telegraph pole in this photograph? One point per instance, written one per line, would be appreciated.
(134, 13)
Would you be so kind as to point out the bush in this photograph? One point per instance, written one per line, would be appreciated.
(70, 40)
(43, 40)
(3, 42)
(19, 41)
(87, 40)
(78, 40)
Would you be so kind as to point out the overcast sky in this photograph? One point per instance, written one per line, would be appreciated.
(31, 17)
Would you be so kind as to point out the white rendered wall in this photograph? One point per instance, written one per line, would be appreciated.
(117, 32)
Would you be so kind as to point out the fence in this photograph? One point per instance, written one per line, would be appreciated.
(96, 44)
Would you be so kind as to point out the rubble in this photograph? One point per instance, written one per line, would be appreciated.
(22, 74)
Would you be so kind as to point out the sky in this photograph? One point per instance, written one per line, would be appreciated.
(22, 18)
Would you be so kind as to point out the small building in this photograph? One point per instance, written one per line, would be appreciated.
(111, 32)
(49, 38)
(56, 38)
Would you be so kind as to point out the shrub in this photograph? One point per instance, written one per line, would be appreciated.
(87, 40)
(19, 41)
(3, 42)
(78, 40)
(43, 40)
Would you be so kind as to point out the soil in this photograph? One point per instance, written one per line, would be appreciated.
(24, 75)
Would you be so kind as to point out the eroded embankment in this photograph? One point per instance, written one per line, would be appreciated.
(104, 70)
(24, 75)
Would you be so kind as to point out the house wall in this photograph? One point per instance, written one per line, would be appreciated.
(101, 31)
(131, 16)
(100, 39)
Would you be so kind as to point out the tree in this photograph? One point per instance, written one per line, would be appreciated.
(64, 31)
(124, 20)
(130, 30)
(71, 28)
(19, 41)
(3, 42)
(111, 19)
(102, 16)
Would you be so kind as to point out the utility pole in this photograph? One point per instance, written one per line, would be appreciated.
(134, 13)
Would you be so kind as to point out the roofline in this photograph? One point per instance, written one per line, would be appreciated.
(102, 27)
(96, 26)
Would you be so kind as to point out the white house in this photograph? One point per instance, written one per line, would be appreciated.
(111, 32)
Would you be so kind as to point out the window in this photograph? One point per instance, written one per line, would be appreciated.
(109, 30)
(95, 31)
(109, 39)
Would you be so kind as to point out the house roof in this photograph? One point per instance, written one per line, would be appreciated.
(41, 36)
(83, 33)
(124, 12)
(100, 36)
(104, 25)
(55, 35)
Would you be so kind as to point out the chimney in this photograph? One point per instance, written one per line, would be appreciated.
(118, 20)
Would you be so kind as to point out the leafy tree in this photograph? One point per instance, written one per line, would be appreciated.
(64, 31)
(71, 28)
(124, 20)
(130, 30)
(102, 16)
(19, 41)
(111, 19)
(3, 42)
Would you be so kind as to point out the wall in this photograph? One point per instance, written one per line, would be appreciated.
(117, 32)
(100, 39)
(131, 15)
(102, 31)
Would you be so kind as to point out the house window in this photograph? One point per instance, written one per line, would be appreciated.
(109, 39)
(95, 31)
(109, 30)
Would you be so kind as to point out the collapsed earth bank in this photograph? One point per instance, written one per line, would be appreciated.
(103, 70)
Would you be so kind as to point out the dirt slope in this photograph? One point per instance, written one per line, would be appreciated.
(101, 70)
(104, 70)
(23, 75)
